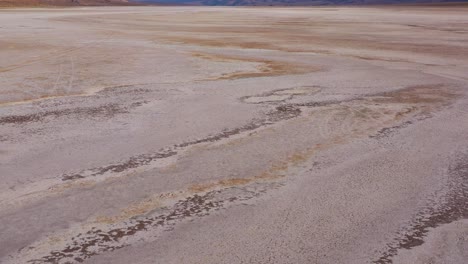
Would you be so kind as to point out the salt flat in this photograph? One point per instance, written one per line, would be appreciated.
(234, 135)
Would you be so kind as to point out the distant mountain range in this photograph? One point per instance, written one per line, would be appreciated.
(214, 2)
(290, 2)
(62, 2)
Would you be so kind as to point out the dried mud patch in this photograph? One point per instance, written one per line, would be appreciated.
(281, 95)
(265, 69)
(346, 115)
(103, 111)
(453, 206)
(131, 163)
(144, 228)
(419, 94)
(422, 102)
(280, 113)
(144, 221)
(226, 42)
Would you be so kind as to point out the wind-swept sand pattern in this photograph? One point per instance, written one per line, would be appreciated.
(234, 135)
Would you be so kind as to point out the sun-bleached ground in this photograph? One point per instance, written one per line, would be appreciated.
(233, 135)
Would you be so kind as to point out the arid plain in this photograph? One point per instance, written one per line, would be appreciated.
(234, 135)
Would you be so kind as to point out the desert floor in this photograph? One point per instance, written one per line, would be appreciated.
(234, 135)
